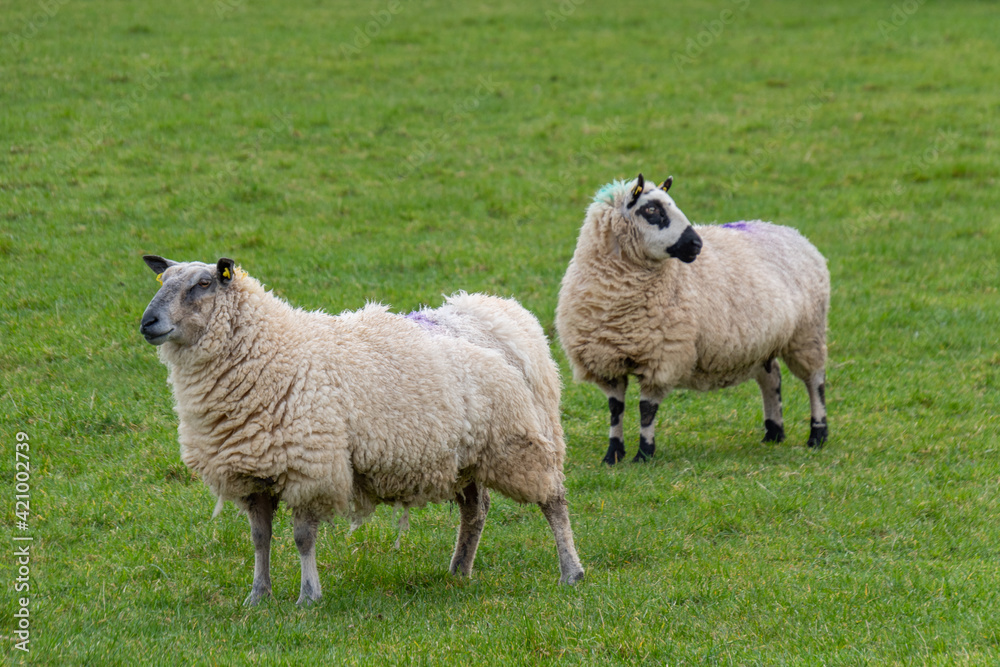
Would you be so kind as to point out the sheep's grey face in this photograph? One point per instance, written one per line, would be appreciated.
(180, 311)
(664, 229)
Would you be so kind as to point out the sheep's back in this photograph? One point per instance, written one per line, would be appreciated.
(702, 325)
(754, 286)
(427, 405)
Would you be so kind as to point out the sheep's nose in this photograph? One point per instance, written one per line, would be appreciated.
(687, 246)
(147, 321)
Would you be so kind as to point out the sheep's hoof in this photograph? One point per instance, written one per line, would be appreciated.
(572, 578)
(774, 432)
(642, 457)
(646, 450)
(616, 452)
(304, 601)
(255, 597)
(818, 434)
(816, 442)
(309, 593)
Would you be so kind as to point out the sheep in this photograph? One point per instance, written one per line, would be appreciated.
(336, 414)
(634, 301)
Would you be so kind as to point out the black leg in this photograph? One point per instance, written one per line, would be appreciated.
(647, 431)
(818, 431)
(615, 391)
(768, 379)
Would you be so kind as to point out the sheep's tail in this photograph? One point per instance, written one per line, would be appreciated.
(218, 507)
(404, 523)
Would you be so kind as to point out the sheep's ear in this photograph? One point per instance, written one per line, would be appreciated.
(666, 184)
(157, 263)
(640, 185)
(227, 271)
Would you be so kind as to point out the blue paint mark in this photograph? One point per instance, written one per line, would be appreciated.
(742, 226)
(608, 192)
(420, 317)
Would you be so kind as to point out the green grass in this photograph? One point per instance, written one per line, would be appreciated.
(458, 150)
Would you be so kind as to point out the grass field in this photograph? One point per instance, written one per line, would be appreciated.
(399, 150)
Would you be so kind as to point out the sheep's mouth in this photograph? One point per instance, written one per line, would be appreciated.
(686, 254)
(688, 257)
(157, 339)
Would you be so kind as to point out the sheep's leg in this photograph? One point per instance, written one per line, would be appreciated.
(807, 363)
(768, 379)
(615, 391)
(473, 504)
(306, 525)
(557, 514)
(649, 404)
(260, 510)
(818, 432)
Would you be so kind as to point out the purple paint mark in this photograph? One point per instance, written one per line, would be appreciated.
(420, 317)
(742, 226)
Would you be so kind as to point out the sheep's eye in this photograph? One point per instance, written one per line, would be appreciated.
(204, 282)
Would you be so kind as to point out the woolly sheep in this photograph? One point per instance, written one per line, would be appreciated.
(697, 307)
(333, 415)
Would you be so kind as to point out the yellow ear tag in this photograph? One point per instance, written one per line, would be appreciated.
(159, 278)
(636, 191)
(226, 274)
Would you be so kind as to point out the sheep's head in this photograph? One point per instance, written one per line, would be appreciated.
(181, 310)
(661, 229)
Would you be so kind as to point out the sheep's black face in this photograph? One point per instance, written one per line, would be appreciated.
(663, 228)
(654, 214)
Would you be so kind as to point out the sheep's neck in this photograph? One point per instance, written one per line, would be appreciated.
(632, 279)
(234, 378)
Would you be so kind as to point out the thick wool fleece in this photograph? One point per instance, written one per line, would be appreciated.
(757, 291)
(337, 414)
